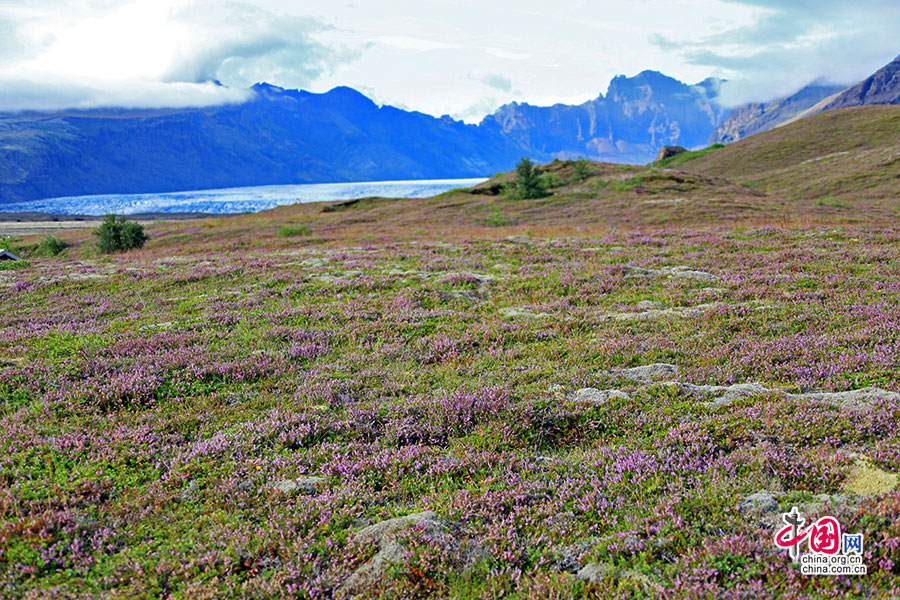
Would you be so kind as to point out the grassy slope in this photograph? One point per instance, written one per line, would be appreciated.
(842, 158)
(151, 401)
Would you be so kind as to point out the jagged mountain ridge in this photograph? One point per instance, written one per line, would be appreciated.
(637, 116)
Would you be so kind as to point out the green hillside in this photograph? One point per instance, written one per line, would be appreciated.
(846, 158)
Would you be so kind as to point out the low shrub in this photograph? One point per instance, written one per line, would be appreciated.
(117, 234)
(51, 246)
(294, 231)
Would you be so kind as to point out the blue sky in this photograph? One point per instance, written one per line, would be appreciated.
(459, 57)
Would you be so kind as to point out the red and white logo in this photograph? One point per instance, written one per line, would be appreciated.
(831, 552)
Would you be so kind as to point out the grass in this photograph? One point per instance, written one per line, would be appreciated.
(627, 185)
(849, 155)
(416, 358)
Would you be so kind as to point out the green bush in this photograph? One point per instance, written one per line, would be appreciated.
(7, 244)
(628, 184)
(497, 219)
(550, 180)
(13, 265)
(528, 183)
(116, 234)
(51, 246)
(294, 231)
(581, 170)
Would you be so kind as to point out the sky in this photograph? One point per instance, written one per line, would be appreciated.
(464, 58)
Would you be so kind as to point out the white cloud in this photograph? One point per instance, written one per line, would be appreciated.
(404, 42)
(142, 53)
(791, 43)
(423, 55)
(25, 95)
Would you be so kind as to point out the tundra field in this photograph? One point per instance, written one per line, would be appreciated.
(463, 397)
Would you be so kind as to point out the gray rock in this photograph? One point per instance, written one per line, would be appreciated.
(556, 391)
(390, 551)
(373, 572)
(596, 572)
(760, 504)
(647, 305)
(659, 313)
(570, 556)
(308, 486)
(189, 493)
(649, 373)
(518, 312)
(680, 272)
(668, 151)
(726, 395)
(632, 272)
(861, 400)
(683, 273)
(856, 401)
(373, 534)
(599, 572)
(595, 396)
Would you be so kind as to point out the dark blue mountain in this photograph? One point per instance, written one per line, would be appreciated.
(280, 137)
(288, 136)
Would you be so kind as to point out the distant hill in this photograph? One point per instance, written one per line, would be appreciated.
(286, 136)
(841, 158)
(756, 117)
(637, 116)
(883, 87)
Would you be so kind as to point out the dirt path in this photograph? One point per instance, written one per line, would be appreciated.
(23, 228)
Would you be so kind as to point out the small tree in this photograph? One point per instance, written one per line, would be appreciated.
(51, 246)
(119, 235)
(581, 169)
(529, 183)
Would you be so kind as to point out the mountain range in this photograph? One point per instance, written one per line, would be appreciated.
(288, 136)
(637, 116)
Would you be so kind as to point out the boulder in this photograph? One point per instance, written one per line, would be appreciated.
(861, 400)
(514, 312)
(649, 373)
(668, 151)
(761, 503)
(308, 486)
(364, 580)
(597, 397)
(373, 534)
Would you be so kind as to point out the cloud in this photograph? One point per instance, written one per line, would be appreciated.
(29, 95)
(496, 81)
(476, 111)
(403, 42)
(153, 53)
(794, 42)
